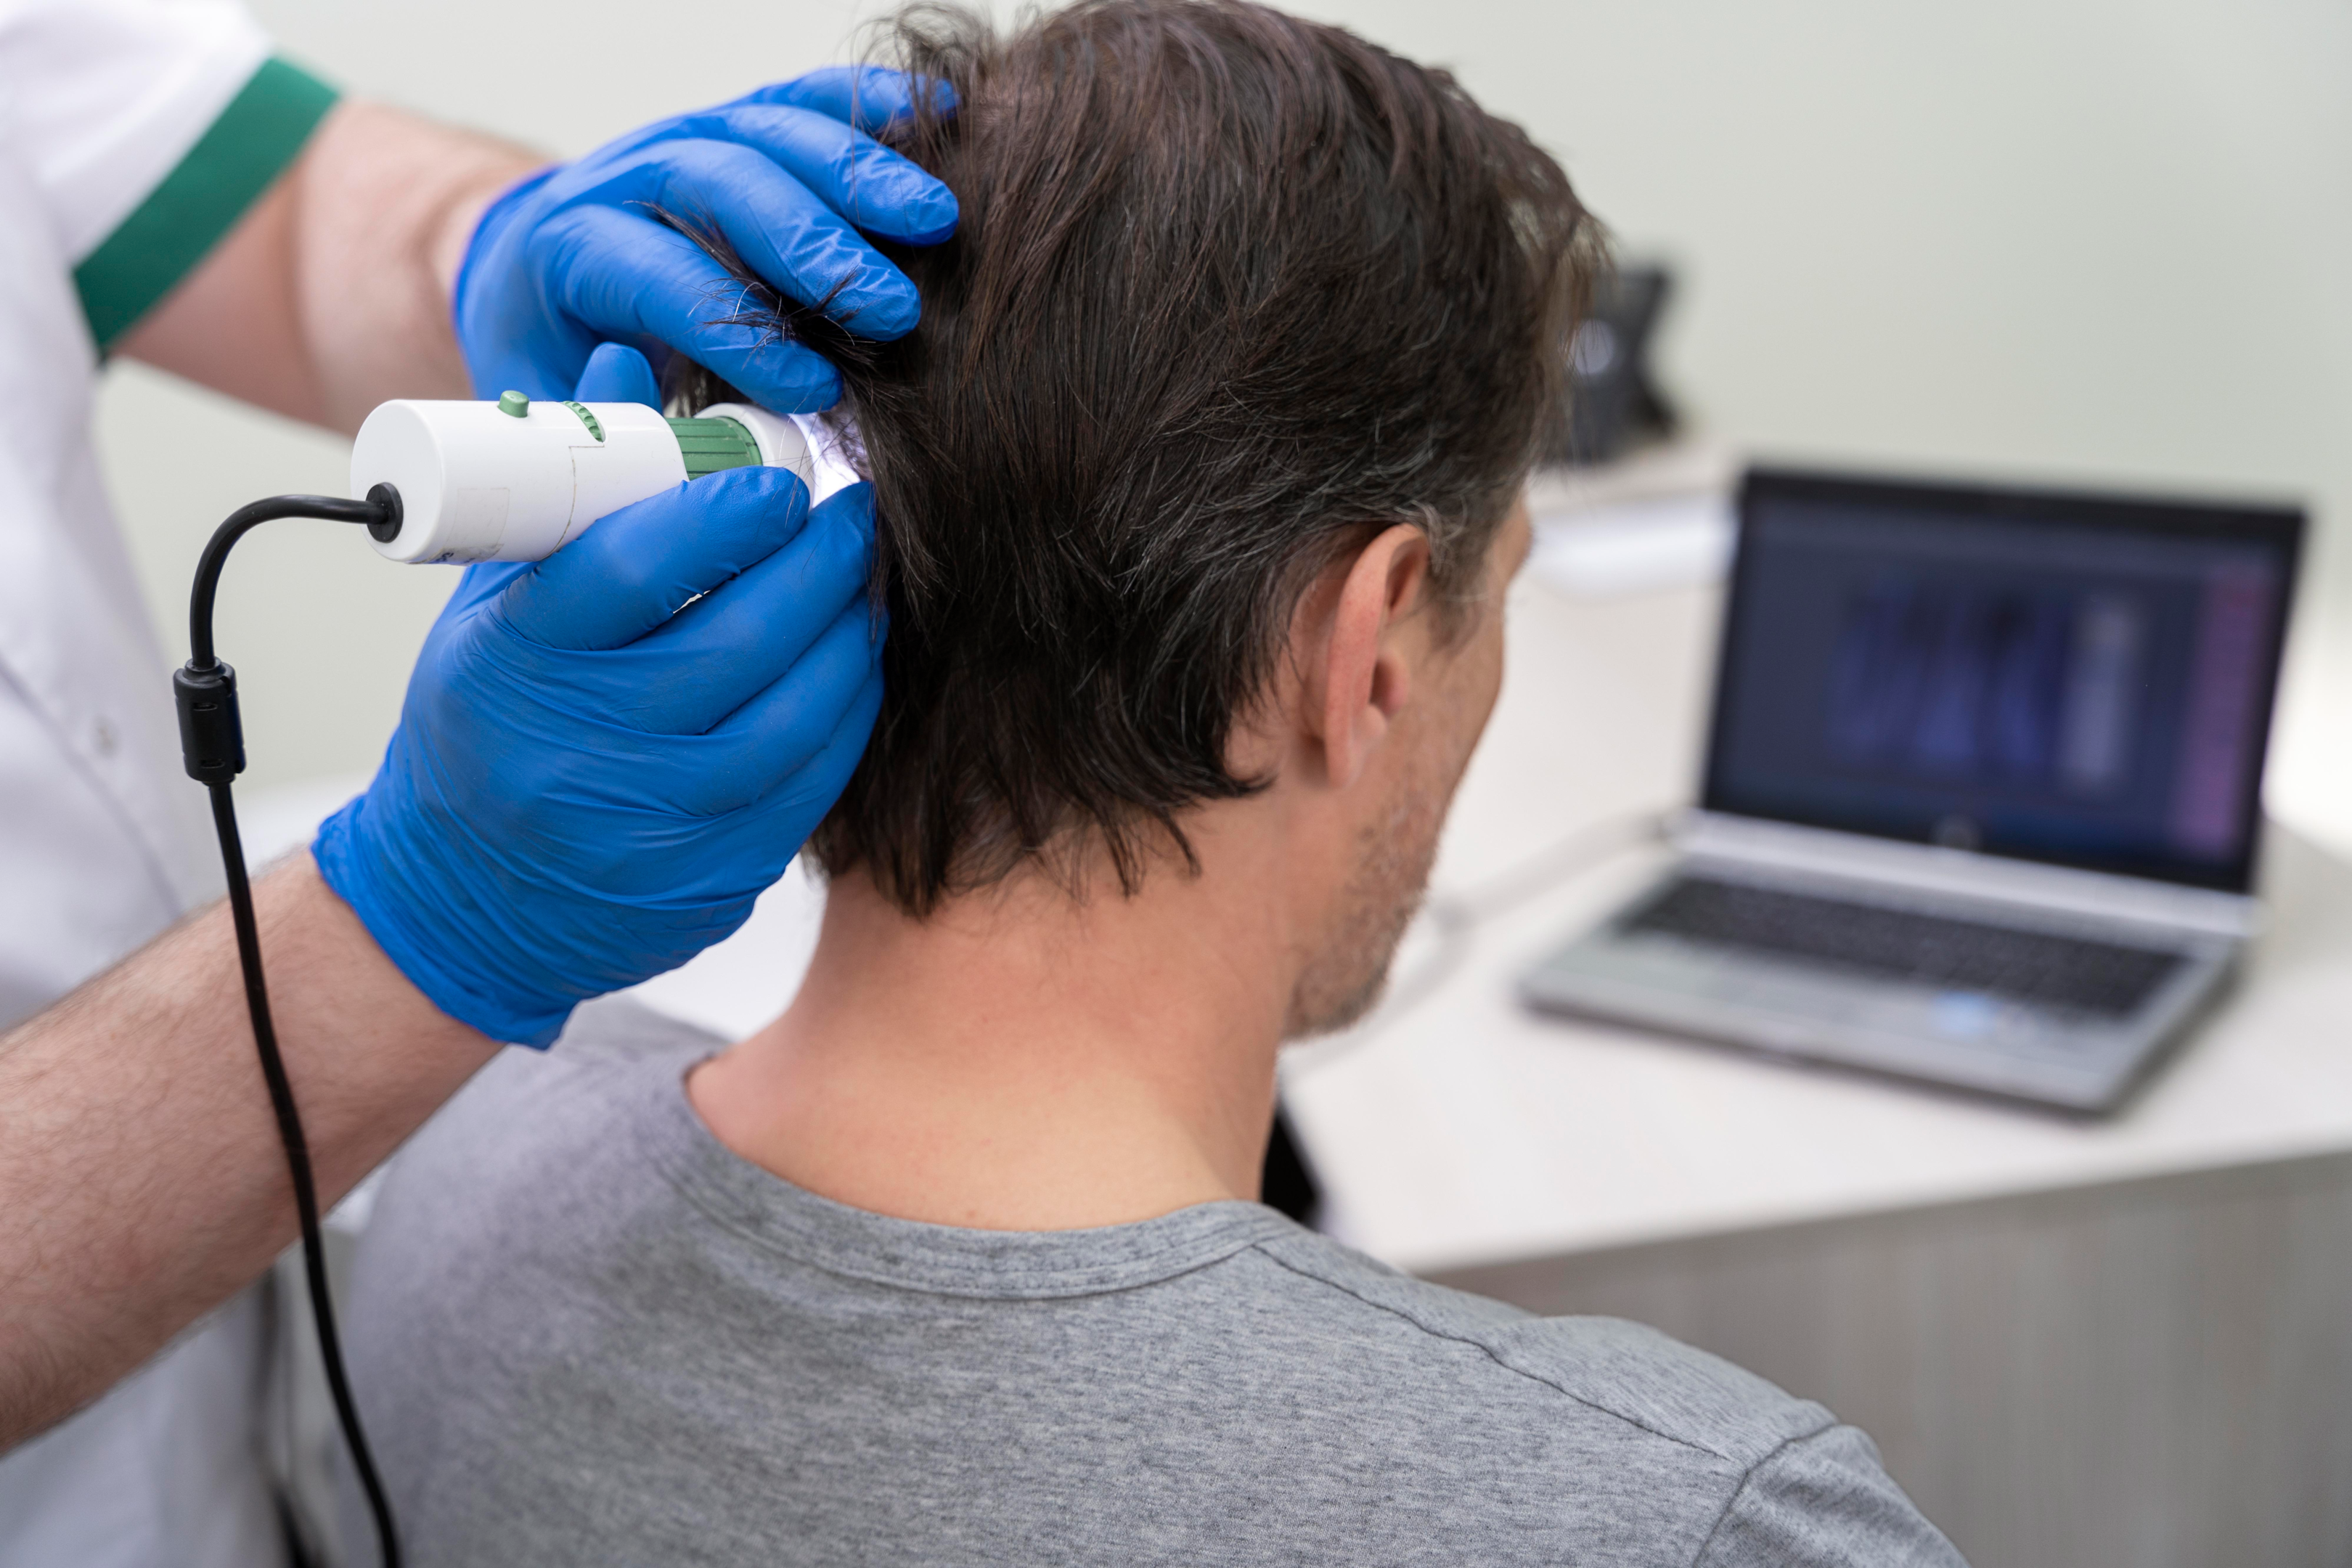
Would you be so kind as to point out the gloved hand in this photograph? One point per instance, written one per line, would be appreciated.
(590, 785)
(570, 257)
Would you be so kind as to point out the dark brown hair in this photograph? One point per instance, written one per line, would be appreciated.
(1232, 292)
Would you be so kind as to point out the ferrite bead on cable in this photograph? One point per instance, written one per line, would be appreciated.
(212, 739)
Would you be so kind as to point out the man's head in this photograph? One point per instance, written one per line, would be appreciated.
(1250, 328)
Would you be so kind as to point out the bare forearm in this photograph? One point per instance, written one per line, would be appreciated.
(387, 205)
(141, 1180)
(332, 293)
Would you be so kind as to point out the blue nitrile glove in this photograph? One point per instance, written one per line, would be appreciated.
(572, 257)
(590, 785)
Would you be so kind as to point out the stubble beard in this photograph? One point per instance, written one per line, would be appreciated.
(1393, 860)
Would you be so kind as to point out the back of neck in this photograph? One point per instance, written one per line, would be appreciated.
(1019, 1060)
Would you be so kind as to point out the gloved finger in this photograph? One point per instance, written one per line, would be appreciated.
(789, 233)
(738, 639)
(826, 774)
(617, 373)
(624, 276)
(482, 581)
(872, 97)
(636, 568)
(874, 188)
(757, 841)
(828, 700)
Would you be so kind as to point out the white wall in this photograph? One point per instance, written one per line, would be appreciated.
(2093, 238)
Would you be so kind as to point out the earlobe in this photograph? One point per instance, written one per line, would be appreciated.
(1365, 676)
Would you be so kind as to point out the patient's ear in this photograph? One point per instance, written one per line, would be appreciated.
(1359, 659)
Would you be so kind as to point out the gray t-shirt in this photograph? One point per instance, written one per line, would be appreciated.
(585, 1333)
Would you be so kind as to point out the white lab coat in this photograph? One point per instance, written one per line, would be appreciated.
(103, 840)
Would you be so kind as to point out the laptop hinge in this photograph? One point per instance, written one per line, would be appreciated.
(1928, 868)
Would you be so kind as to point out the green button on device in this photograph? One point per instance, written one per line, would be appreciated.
(514, 403)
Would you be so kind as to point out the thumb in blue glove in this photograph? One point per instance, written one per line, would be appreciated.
(617, 374)
(604, 757)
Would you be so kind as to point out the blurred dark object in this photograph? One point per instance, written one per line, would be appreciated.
(1287, 1186)
(1612, 404)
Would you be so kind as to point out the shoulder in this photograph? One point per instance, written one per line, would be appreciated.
(1619, 1369)
(614, 1031)
(606, 1040)
(1764, 1477)
(585, 1101)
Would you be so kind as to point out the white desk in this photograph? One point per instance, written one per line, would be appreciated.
(2126, 1342)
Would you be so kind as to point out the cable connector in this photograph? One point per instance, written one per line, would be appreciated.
(212, 737)
(384, 529)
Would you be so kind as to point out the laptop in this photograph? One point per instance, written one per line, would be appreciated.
(1982, 793)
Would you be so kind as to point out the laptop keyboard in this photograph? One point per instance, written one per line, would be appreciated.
(2061, 972)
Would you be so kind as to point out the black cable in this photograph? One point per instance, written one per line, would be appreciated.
(213, 748)
(379, 512)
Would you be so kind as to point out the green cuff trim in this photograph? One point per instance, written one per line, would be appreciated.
(255, 137)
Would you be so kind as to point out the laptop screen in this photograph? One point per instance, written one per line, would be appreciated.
(2052, 676)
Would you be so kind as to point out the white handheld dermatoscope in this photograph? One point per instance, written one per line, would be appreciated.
(514, 479)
